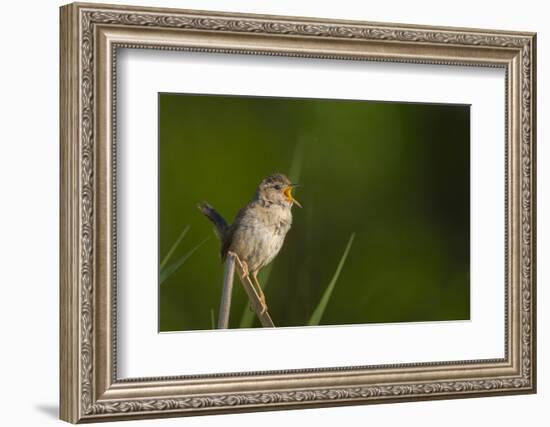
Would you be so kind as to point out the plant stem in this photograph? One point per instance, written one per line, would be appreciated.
(225, 304)
(250, 289)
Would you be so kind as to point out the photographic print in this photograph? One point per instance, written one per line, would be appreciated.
(343, 236)
(338, 212)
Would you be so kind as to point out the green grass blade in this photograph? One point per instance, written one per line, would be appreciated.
(212, 319)
(320, 309)
(166, 272)
(173, 248)
(297, 161)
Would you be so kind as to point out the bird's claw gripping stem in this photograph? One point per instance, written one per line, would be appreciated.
(242, 264)
(246, 274)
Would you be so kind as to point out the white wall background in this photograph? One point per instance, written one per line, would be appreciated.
(29, 171)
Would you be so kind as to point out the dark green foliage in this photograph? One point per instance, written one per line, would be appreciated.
(395, 174)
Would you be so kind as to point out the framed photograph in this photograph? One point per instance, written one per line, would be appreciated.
(266, 212)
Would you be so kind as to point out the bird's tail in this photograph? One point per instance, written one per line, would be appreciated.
(220, 225)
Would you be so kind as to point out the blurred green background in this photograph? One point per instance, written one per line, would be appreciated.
(395, 174)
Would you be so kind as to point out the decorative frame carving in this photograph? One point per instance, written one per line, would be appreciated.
(90, 36)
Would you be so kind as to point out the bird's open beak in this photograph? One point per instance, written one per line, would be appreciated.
(288, 194)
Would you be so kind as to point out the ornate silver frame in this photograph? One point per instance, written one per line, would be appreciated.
(90, 36)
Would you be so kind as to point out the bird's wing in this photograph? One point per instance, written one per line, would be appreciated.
(226, 240)
(230, 231)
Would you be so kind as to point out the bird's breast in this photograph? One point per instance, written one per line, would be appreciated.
(259, 237)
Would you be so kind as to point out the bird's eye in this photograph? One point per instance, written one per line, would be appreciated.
(277, 187)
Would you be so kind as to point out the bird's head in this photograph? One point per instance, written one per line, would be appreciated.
(277, 189)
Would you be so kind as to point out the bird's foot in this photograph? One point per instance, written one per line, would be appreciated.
(264, 308)
(263, 305)
(261, 296)
(242, 265)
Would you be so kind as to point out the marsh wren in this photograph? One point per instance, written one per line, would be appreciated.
(259, 229)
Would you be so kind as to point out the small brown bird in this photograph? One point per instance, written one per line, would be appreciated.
(259, 229)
